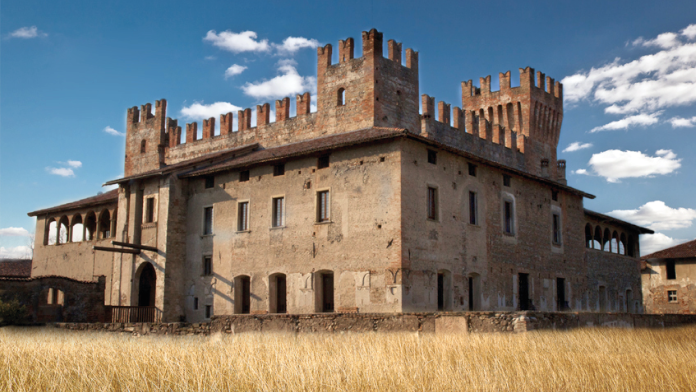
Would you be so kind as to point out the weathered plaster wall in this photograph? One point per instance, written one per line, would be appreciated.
(656, 286)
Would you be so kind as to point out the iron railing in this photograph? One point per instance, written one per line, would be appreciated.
(134, 314)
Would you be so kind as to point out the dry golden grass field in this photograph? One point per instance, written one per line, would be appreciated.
(597, 359)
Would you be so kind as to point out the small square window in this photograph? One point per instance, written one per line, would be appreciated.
(208, 220)
(207, 265)
(432, 157)
(506, 180)
(278, 212)
(323, 162)
(243, 216)
(244, 176)
(279, 169)
(472, 170)
(195, 303)
(323, 206)
(672, 296)
(208, 311)
(432, 203)
(554, 195)
(209, 182)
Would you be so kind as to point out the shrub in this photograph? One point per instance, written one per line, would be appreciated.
(12, 312)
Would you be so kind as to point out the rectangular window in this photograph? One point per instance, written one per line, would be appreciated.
(508, 217)
(195, 303)
(432, 203)
(672, 296)
(506, 180)
(208, 221)
(243, 216)
(323, 206)
(244, 176)
(432, 157)
(473, 218)
(556, 229)
(209, 182)
(278, 211)
(207, 265)
(323, 162)
(208, 311)
(472, 170)
(279, 169)
(671, 270)
(150, 210)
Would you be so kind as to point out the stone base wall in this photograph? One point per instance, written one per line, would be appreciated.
(400, 322)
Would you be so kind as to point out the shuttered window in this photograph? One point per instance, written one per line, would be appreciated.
(278, 212)
(323, 206)
(243, 216)
(432, 203)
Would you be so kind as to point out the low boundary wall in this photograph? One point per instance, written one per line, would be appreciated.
(463, 322)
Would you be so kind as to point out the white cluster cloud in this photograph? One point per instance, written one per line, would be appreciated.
(233, 70)
(246, 41)
(292, 44)
(198, 111)
(17, 252)
(616, 164)
(14, 232)
(27, 33)
(288, 83)
(657, 216)
(679, 122)
(65, 171)
(642, 119)
(575, 146)
(114, 132)
(651, 243)
(663, 79)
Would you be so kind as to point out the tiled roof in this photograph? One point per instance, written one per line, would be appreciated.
(602, 217)
(685, 250)
(302, 148)
(15, 268)
(105, 198)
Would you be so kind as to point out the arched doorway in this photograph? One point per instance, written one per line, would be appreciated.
(278, 293)
(146, 285)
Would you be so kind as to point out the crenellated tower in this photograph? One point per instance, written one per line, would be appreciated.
(145, 138)
(534, 111)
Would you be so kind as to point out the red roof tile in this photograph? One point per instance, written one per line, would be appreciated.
(105, 198)
(685, 250)
(15, 268)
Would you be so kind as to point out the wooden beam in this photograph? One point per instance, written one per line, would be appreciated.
(135, 246)
(117, 250)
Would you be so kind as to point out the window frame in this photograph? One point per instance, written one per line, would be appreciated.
(472, 169)
(432, 156)
(208, 182)
(323, 206)
(473, 208)
(556, 227)
(208, 230)
(323, 162)
(243, 224)
(671, 269)
(207, 265)
(509, 221)
(279, 169)
(432, 203)
(507, 180)
(672, 296)
(149, 209)
(244, 175)
(208, 311)
(277, 220)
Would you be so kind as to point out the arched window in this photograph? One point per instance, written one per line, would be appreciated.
(606, 241)
(615, 242)
(597, 244)
(50, 233)
(143, 146)
(76, 228)
(63, 231)
(104, 224)
(588, 236)
(341, 97)
(90, 226)
(622, 244)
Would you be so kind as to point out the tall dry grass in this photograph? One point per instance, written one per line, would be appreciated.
(587, 359)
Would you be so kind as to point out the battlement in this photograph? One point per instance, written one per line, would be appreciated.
(372, 47)
(528, 82)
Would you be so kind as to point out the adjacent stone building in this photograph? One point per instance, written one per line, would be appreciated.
(369, 204)
(669, 280)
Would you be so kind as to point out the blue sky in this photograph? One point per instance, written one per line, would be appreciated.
(70, 69)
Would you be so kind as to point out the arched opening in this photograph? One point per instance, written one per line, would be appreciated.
(615, 242)
(143, 146)
(147, 283)
(63, 231)
(597, 242)
(242, 294)
(630, 305)
(588, 236)
(104, 224)
(278, 294)
(50, 233)
(631, 246)
(90, 226)
(474, 291)
(602, 299)
(622, 244)
(76, 228)
(606, 244)
(341, 97)
(523, 291)
(444, 290)
(324, 289)
(55, 297)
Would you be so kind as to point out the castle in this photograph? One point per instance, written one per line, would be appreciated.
(367, 205)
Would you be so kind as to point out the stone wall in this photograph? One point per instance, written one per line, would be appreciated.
(469, 322)
(73, 301)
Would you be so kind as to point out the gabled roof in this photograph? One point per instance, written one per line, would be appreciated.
(683, 251)
(15, 268)
(607, 218)
(105, 198)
